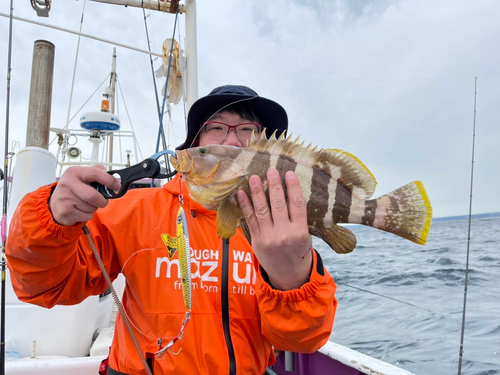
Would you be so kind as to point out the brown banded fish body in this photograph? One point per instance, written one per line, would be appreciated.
(336, 185)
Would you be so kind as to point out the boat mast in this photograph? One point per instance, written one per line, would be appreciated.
(37, 134)
(191, 55)
(110, 95)
(191, 48)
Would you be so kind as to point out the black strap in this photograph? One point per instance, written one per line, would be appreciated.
(225, 306)
(114, 372)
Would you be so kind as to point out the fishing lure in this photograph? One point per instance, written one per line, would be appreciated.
(185, 266)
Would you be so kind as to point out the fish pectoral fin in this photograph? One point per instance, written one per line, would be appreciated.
(246, 230)
(228, 216)
(340, 239)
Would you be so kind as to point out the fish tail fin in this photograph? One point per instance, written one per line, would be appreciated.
(406, 212)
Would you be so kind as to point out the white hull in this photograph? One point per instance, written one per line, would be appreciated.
(351, 359)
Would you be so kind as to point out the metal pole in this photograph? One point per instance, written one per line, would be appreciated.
(191, 54)
(163, 6)
(40, 95)
(3, 229)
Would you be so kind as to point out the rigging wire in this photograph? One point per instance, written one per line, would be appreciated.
(151, 62)
(164, 142)
(82, 34)
(160, 130)
(184, 81)
(414, 79)
(84, 104)
(74, 68)
(3, 225)
(161, 133)
(126, 110)
(462, 334)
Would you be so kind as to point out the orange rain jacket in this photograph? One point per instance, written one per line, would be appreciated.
(236, 315)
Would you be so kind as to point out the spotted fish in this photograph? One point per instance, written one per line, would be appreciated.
(336, 185)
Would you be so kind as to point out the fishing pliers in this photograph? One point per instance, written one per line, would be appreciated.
(148, 168)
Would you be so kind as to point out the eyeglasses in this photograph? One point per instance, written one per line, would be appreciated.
(220, 131)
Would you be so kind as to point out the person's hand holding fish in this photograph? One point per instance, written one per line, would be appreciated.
(279, 231)
(336, 188)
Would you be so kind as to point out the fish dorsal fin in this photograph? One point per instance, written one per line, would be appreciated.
(353, 172)
(344, 167)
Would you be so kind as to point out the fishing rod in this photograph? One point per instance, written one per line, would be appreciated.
(5, 197)
(462, 334)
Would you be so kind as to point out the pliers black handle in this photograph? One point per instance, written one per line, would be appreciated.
(148, 168)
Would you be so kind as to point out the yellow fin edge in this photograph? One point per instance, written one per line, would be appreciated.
(357, 160)
(428, 218)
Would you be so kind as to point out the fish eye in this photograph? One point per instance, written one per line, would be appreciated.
(203, 150)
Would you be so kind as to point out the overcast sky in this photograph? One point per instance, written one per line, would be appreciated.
(391, 82)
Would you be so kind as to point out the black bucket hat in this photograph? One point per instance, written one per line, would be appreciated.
(272, 115)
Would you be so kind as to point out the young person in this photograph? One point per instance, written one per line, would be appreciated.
(247, 298)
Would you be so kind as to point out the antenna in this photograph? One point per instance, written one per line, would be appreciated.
(460, 355)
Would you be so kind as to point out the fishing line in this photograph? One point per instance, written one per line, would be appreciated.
(3, 224)
(462, 334)
(116, 299)
(154, 336)
(391, 298)
(127, 321)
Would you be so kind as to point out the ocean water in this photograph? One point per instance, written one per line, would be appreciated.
(425, 338)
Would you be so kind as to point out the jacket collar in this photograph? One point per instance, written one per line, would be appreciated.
(176, 186)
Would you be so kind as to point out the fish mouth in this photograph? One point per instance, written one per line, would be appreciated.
(183, 162)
